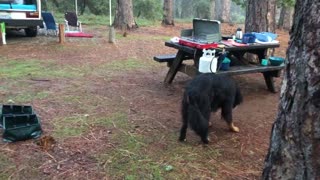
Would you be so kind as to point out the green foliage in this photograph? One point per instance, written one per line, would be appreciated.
(238, 18)
(146, 12)
(100, 7)
(148, 9)
(202, 9)
(286, 3)
(241, 3)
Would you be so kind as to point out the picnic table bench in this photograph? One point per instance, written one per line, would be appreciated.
(176, 63)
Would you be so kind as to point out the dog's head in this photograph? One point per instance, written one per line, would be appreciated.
(238, 98)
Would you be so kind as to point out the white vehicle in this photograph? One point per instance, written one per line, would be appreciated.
(21, 14)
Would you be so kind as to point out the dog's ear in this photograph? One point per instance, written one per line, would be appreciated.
(238, 98)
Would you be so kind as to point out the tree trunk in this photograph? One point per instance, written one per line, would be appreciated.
(294, 151)
(187, 9)
(212, 9)
(222, 10)
(288, 18)
(225, 11)
(167, 12)
(177, 8)
(281, 16)
(260, 16)
(124, 15)
(217, 9)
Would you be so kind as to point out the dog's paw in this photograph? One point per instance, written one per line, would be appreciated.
(235, 129)
(210, 124)
(205, 140)
(182, 139)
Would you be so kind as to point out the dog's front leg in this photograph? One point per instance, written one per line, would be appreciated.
(226, 112)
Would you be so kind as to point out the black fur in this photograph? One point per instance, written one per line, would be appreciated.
(207, 93)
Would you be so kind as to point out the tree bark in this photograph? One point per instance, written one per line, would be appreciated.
(124, 15)
(294, 151)
(225, 11)
(212, 9)
(187, 9)
(260, 16)
(288, 18)
(168, 13)
(177, 8)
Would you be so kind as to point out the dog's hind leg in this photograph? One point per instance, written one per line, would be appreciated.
(226, 113)
(204, 134)
(183, 130)
(198, 118)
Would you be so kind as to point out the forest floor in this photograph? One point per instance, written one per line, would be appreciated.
(106, 114)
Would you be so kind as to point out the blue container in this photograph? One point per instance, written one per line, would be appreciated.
(248, 38)
(276, 61)
(225, 65)
(264, 62)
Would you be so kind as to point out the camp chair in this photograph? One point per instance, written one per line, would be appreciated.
(71, 20)
(49, 23)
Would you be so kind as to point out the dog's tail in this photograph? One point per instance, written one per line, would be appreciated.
(196, 119)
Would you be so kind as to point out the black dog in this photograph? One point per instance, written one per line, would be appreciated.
(207, 93)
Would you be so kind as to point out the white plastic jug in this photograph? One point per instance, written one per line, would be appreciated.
(239, 33)
(208, 62)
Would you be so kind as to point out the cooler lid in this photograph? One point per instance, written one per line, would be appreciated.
(204, 27)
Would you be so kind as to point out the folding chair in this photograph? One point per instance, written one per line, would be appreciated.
(71, 20)
(49, 23)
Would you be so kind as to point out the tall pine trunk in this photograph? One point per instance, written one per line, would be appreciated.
(225, 11)
(260, 16)
(168, 12)
(212, 9)
(285, 18)
(294, 151)
(124, 15)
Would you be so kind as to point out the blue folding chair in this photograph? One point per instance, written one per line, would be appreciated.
(49, 23)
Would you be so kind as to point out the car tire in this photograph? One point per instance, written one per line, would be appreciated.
(31, 31)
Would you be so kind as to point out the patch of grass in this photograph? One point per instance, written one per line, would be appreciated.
(119, 66)
(145, 22)
(145, 37)
(70, 126)
(64, 72)
(129, 160)
(77, 125)
(118, 119)
(128, 64)
(6, 167)
(20, 69)
(28, 96)
(138, 156)
(185, 20)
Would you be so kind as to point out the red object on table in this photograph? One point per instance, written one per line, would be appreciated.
(198, 45)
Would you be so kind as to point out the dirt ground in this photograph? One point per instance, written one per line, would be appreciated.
(107, 114)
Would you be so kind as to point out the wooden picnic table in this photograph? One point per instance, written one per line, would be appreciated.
(176, 63)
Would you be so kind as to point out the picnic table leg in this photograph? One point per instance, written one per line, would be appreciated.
(269, 82)
(174, 67)
(268, 76)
